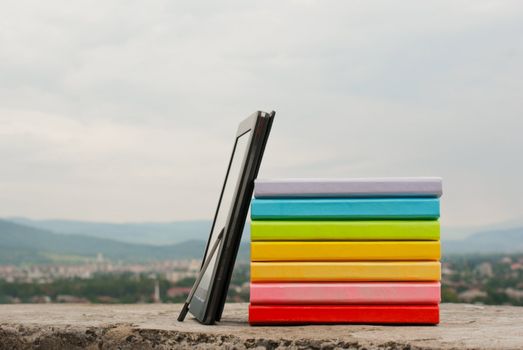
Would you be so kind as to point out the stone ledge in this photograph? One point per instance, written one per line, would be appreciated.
(148, 326)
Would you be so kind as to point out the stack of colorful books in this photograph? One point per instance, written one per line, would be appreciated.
(345, 251)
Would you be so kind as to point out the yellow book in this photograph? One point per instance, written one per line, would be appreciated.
(345, 251)
(345, 271)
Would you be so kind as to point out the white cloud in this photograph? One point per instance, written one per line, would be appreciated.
(110, 108)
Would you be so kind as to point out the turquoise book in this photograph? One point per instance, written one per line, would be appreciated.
(346, 209)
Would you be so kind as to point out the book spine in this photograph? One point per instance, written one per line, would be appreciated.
(345, 271)
(344, 251)
(311, 188)
(375, 230)
(345, 293)
(379, 314)
(339, 209)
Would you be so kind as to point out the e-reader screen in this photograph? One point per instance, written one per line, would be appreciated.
(231, 182)
(207, 297)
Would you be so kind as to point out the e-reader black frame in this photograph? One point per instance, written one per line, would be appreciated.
(210, 310)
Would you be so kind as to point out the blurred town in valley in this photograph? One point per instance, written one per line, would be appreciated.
(152, 263)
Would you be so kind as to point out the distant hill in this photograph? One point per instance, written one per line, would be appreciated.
(462, 232)
(142, 233)
(25, 244)
(150, 233)
(492, 241)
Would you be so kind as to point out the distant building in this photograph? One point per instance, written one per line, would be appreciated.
(156, 295)
(71, 299)
(447, 271)
(485, 269)
(472, 295)
(105, 299)
(178, 291)
(100, 258)
(40, 299)
(514, 293)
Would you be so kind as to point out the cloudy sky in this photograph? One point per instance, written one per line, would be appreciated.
(126, 110)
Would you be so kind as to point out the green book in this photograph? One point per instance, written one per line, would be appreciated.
(376, 230)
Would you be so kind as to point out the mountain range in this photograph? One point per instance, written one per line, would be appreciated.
(491, 241)
(149, 233)
(140, 233)
(26, 244)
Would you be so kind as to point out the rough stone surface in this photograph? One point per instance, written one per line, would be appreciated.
(155, 327)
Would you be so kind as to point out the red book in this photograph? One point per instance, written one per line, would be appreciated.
(369, 314)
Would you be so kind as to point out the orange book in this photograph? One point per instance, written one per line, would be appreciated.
(345, 271)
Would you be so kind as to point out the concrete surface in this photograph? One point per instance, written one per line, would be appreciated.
(62, 326)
